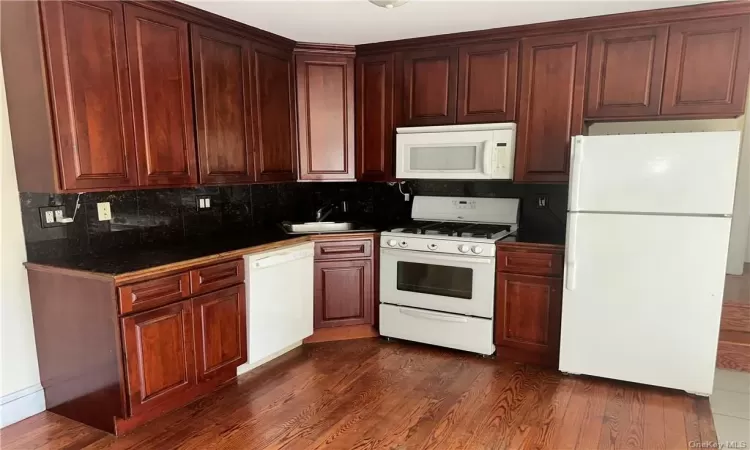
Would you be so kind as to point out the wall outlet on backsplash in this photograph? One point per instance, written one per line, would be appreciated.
(103, 211)
(203, 202)
(542, 201)
(48, 216)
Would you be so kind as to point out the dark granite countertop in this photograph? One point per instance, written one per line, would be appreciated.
(128, 260)
(531, 236)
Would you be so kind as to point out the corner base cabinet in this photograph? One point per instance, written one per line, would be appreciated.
(344, 299)
(528, 303)
(133, 347)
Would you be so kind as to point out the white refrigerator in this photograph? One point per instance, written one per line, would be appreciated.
(645, 256)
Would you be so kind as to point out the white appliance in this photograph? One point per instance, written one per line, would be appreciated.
(646, 251)
(467, 152)
(279, 302)
(437, 275)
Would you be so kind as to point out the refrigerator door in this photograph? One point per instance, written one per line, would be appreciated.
(674, 173)
(642, 298)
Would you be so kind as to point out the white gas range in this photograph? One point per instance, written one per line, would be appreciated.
(437, 275)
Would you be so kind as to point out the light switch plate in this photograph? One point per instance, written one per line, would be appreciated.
(103, 210)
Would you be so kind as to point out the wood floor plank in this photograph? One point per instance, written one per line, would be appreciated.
(369, 394)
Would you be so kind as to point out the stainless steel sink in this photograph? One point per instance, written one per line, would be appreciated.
(318, 227)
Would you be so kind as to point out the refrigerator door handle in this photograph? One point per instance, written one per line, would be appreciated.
(576, 160)
(570, 264)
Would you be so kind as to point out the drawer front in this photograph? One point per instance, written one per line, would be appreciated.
(152, 293)
(211, 278)
(345, 249)
(530, 263)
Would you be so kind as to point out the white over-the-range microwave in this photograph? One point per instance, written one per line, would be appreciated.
(456, 152)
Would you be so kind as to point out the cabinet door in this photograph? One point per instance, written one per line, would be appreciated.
(551, 106)
(221, 81)
(527, 313)
(375, 126)
(91, 95)
(343, 293)
(708, 62)
(162, 97)
(220, 324)
(487, 82)
(325, 114)
(430, 87)
(159, 355)
(626, 72)
(275, 129)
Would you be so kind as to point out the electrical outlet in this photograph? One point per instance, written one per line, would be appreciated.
(49, 216)
(542, 201)
(103, 211)
(203, 202)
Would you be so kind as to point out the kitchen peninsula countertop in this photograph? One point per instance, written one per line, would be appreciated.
(126, 265)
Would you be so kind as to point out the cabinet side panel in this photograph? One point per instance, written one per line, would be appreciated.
(28, 102)
(78, 343)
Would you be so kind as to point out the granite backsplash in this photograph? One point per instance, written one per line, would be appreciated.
(151, 218)
(548, 223)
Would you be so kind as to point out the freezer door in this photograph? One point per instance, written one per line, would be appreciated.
(642, 298)
(679, 173)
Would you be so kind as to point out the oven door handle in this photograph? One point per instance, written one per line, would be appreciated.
(432, 315)
(437, 257)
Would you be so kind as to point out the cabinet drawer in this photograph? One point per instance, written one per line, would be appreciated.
(152, 293)
(530, 263)
(361, 248)
(211, 278)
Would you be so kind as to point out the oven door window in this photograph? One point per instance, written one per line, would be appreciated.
(446, 281)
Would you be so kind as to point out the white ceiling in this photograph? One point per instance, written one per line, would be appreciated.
(359, 21)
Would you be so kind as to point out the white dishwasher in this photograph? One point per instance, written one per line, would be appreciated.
(279, 295)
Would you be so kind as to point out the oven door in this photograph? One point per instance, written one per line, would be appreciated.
(439, 282)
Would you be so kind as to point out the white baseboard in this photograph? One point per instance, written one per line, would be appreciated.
(247, 367)
(19, 405)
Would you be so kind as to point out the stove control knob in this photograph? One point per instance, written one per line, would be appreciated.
(477, 249)
(403, 244)
(392, 242)
(432, 247)
(463, 248)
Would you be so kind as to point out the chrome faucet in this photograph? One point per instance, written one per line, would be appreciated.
(324, 211)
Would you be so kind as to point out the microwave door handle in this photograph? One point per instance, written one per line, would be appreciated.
(487, 169)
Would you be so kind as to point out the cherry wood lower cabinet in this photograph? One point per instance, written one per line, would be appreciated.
(345, 292)
(528, 304)
(115, 352)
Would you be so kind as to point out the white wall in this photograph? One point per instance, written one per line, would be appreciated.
(20, 392)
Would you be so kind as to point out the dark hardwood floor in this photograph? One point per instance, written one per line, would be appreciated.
(370, 394)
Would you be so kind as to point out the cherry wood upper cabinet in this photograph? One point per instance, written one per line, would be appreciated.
(430, 83)
(325, 114)
(92, 113)
(273, 100)
(626, 72)
(162, 97)
(551, 106)
(343, 293)
(221, 81)
(528, 310)
(487, 82)
(220, 325)
(708, 62)
(375, 118)
(159, 355)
